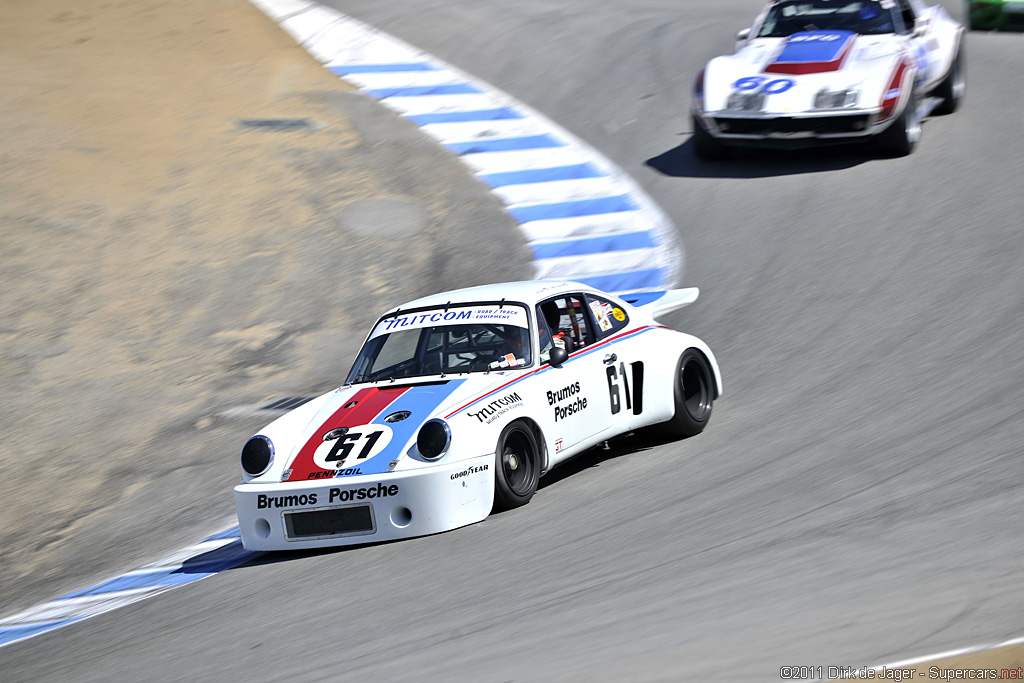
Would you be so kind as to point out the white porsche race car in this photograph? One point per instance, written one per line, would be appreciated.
(459, 402)
(830, 71)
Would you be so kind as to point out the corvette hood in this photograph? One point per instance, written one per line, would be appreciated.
(370, 427)
(790, 71)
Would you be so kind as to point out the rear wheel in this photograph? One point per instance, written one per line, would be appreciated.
(899, 139)
(705, 146)
(517, 467)
(693, 393)
(953, 86)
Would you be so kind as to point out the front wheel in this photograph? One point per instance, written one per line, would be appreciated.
(705, 145)
(516, 467)
(899, 139)
(693, 395)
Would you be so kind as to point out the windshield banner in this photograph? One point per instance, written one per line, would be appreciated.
(509, 314)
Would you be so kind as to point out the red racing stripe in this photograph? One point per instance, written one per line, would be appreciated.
(368, 404)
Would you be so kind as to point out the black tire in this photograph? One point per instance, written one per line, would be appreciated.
(705, 146)
(694, 395)
(953, 86)
(899, 139)
(516, 467)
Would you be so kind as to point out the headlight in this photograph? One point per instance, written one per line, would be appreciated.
(433, 439)
(836, 99)
(257, 455)
(745, 101)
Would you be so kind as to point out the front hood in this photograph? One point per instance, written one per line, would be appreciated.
(362, 440)
(791, 71)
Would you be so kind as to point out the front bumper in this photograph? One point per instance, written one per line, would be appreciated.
(368, 509)
(998, 15)
(787, 132)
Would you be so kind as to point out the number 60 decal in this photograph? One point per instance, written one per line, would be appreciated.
(775, 87)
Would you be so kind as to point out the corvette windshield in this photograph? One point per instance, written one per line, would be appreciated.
(449, 340)
(867, 17)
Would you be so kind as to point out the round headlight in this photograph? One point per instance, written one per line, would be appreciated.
(433, 439)
(257, 455)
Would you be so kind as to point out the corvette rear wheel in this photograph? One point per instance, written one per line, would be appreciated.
(516, 467)
(694, 394)
(953, 86)
(899, 139)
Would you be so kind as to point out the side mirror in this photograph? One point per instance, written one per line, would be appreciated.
(741, 39)
(558, 356)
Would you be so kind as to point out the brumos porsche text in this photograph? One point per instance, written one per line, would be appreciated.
(334, 496)
(564, 394)
(497, 406)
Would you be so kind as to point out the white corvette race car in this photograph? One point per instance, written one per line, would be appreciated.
(459, 402)
(818, 71)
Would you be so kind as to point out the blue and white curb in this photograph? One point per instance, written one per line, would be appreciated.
(211, 556)
(584, 218)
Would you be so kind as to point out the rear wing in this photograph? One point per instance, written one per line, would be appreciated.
(660, 303)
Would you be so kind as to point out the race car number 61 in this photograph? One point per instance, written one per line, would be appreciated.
(750, 83)
(360, 444)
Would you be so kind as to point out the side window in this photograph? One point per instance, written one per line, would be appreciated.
(608, 317)
(563, 321)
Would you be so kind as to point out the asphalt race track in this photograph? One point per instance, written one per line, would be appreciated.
(857, 497)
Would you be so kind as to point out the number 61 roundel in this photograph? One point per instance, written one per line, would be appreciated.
(353, 448)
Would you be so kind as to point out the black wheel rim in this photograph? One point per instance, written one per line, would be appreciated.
(696, 390)
(517, 463)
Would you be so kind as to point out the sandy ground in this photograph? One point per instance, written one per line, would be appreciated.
(159, 265)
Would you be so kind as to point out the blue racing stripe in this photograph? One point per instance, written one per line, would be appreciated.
(343, 69)
(505, 144)
(542, 175)
(579, 207)
(813, 46)
(621, 282)
(11, 633)
(421, 401)
(594, 245)
(422, 90)
(501, 113)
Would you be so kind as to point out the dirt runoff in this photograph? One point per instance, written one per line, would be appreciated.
(160, 265)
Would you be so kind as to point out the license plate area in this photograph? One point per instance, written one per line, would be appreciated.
(329, 522)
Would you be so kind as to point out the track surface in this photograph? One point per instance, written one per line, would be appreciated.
(857, 497)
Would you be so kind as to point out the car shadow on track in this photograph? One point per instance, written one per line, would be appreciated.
(620, 446)
(682, 162)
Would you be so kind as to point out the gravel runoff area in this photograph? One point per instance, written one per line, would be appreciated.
(161, 263)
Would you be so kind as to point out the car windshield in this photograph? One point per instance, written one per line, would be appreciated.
(477, 337)
(866, 17)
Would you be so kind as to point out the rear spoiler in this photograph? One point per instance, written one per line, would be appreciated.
(660, 303)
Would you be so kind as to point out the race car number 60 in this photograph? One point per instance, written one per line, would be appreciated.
(779, 85)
